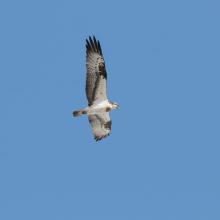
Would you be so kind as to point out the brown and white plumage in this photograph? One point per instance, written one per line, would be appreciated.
(96, 77)
(96, 92)
(101, 125)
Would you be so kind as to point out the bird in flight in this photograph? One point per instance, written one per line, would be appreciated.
(96, 83)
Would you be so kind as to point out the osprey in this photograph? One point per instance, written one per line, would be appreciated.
(96, 80)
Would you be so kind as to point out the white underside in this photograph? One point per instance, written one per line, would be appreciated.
(97, 108)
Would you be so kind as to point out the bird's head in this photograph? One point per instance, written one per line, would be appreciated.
(115, 105)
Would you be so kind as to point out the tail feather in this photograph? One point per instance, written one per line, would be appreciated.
(79, 113)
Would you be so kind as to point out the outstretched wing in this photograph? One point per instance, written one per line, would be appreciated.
(96, 77)
(101, 125)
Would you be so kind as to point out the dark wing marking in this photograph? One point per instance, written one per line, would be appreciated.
(101, 125)
(96, 77)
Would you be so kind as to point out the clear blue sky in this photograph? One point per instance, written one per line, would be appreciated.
(161, 160)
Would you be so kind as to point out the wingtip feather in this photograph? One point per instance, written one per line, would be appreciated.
(93, 45)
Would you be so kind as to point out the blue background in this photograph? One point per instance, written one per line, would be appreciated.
(161, 160)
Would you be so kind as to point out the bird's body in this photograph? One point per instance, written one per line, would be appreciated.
(100, 108)
(96, 92)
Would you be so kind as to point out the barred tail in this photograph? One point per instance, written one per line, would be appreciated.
(79, 113)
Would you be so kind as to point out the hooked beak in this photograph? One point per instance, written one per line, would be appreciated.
(118, 107)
